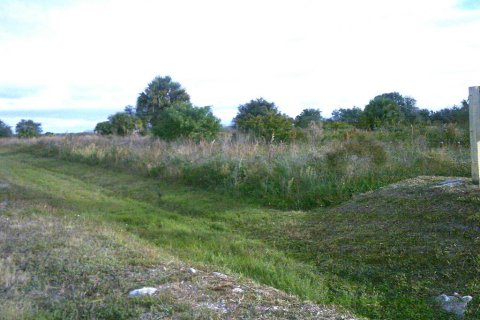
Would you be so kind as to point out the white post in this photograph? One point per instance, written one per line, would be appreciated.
(474, 111)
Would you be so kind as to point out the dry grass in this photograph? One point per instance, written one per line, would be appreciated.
(302, 175)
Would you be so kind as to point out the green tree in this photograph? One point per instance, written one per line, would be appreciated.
(424, 115)
(186, 121)
(5, 130)
(124, 124)
(28, 129)
(455, 114)
(382, 113)
(406, 104)
(161, 93)
(130, 110)
(262, 118)
(307, 116)
(104, 128)
(271, 127)
(350, 116)
(254, 108)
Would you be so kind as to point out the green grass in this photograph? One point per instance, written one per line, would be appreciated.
(383, 256)
(57, 265)
(71, 249)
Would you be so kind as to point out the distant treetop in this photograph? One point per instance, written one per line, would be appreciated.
(307, 116)
(28, 129)
(161, 93)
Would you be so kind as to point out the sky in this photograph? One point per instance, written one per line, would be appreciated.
(70, 63)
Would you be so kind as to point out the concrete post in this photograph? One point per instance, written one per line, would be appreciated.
(474, 111)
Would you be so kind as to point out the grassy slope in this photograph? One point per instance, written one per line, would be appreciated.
(59, 262)
(383, 256)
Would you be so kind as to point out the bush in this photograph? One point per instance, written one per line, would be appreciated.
(262, 119)
(271, 127)
(307, 117)
(124, 124)
(450, 134)
(186, 121)
(382, 113)
(351, 116)
(121, 123)
(353, 153)
(104, 128)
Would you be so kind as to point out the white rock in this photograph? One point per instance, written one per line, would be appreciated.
(145, 291)
(450, 183)
(455, 304)
(220, 275)
(192, 271)
(217, 307)
(237, 290)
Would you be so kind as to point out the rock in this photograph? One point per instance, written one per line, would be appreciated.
(217, 307)
(4, 185)
(192, 271)
(455, 304)
(145, 291)
(450, 183)
(237, 290)
(220, 275)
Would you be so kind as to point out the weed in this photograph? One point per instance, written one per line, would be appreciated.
(300, 175)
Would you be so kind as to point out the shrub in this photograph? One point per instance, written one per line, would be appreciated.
(104, 128)
(450, 134)
(351, 116)
(271, 127)
(307, 117)
(121, 123)
(382, 113)
(186, 121)
(124, 124)
(353, 152)
(262, 119)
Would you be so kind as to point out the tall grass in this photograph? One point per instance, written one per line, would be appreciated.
(300, 175)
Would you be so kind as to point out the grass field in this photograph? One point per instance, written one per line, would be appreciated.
(382, 255)
(325, 170)
(73, 248)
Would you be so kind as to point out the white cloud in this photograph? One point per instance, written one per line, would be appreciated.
(304, 53)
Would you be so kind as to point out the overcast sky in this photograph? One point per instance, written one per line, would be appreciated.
(98, 55)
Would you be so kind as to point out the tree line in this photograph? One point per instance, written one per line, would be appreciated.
(390, 110)
(164, 110)
(24, 129)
